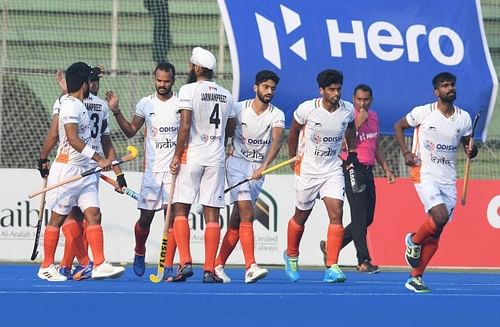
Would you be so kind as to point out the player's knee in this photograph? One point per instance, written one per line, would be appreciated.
(93, 216)
(145, 218)
(440, 220)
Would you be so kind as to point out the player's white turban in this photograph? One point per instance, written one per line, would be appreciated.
(203, 58)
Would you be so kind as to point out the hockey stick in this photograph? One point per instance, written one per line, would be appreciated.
(163, 251)
(468, 161)
(34, 253)
(266, 171)
(129, 156)
(125, 190)
(356, 188)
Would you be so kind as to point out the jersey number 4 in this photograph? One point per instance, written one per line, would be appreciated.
(214, 116)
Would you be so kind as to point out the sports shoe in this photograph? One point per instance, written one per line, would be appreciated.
(254, 273)
(322, 247)
(169, 276)
(412, 254)
(105, 270)
(219, 272)
(211, 278)
(291, 267)
(416, 284)
(51, 274)
(66, 272)
(367, 267)
(334, 275)
(83, 272)
(185, 270)
(139, 264)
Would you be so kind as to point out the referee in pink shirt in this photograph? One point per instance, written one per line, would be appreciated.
(363, 204)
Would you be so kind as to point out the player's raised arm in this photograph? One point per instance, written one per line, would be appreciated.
(128, 128)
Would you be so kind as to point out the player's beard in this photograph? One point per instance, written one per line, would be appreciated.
(86, 93)
(263, 98)
(163, 90)
(191, 76)
(334, 100)
(448, 98)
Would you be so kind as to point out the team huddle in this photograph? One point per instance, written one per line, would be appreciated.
(186, 162)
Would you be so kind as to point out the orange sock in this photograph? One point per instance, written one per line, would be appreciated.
(247, 243)
(95, 237)
(333, 243)
(171, 247)
(429, 248)
(230, 240)
(294, 234)
(428, 228)
(84, 226)
(141, 235)
(182, 234)
(74, 238)
(68, 255)
(50, 239)
(212, 238)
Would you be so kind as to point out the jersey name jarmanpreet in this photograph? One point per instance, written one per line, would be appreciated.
(253, 133)
(72, 111)
(211, 106)
(321, 137)
(436, 140)
(162, 125)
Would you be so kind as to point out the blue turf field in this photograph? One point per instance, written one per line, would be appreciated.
(457, 299)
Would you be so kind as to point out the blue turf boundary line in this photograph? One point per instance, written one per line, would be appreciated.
(458, 299)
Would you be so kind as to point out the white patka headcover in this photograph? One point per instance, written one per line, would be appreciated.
(203, 58)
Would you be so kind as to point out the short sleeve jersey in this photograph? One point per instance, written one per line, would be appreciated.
(436, 140)
(72, 111)
(321, 137)
(211, 106)
(98, 112)
(253, 133)
(162, 124)
(366, 139)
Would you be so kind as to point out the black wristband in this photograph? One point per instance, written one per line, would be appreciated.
(473, 152)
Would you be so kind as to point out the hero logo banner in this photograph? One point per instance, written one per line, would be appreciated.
(394, 46)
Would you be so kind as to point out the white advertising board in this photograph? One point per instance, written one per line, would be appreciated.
(19, 215)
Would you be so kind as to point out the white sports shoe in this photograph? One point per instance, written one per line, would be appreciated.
(219, 272)
(106, 270)
(51, 274)
(254, 273)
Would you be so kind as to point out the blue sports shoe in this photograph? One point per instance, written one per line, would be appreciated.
(83, 272)
(412, 253)
(334, 275)
(66, 272)
(169, 276)
(417, 285)
(139, 264)
(291, 267)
